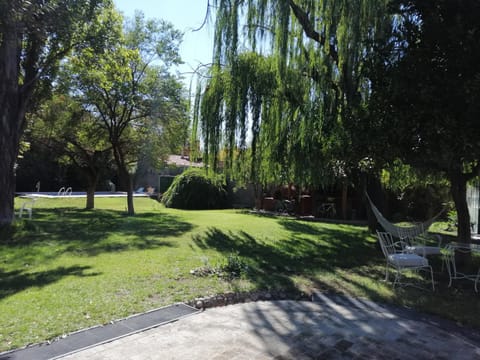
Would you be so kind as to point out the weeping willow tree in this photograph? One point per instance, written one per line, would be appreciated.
(286, 78)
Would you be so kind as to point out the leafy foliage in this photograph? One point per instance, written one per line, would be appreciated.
(193, 189)
(279, 105)
(124, 80)
(350, 78)
(429, 86)
(34, 37)
(75, 136)
(424, 98)
(234, 266)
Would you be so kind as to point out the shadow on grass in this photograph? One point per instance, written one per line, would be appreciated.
(310, 248)
(18, 280)
(92, 232)
(344, 246)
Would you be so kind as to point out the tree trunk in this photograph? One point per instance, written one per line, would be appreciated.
(458, 188)
(92, 178)
(127, 184)
(12, 115)
(91, 196)
(344, 200)
(130, 208)
(7, 180)
(124, 177)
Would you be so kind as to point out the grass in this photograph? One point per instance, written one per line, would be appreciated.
(69, 268)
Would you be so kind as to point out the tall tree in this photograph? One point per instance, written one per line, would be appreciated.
(292, 99)
(34, 36)
(73, 134)
(425, 93)
(120, 78)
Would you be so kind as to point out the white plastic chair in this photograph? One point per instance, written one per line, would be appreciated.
(27, 206)
(400, 259)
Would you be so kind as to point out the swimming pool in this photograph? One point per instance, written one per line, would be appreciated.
(77, 194)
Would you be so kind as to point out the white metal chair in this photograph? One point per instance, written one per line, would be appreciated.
(27, 206)
(400, 259)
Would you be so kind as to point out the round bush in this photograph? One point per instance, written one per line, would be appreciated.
(193, 190)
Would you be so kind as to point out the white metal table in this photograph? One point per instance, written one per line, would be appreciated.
(449, 257)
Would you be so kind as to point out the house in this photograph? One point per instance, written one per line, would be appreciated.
(161, 178)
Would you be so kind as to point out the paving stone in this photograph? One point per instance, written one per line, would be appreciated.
(330, 354)
(343, 345)
(313, 348)
(296, 330)
(330, 340)
(298, 354)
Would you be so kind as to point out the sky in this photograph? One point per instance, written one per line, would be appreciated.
(185, 15)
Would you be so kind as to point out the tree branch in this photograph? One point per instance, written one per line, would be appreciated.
(310, 31)
(205, 19)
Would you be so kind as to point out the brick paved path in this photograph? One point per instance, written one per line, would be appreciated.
(331, 327)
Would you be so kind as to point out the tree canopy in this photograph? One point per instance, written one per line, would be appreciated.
(425, 93)
(34, 37)
(73, 136)
(124, 80)
(291, 87)
(122, 71)
(310, 91)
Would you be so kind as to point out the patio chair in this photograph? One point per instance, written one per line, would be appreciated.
(27, 206)
(400, 259)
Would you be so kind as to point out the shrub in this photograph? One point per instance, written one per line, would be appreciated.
(194, 190)
(452, 222)
(234, 266)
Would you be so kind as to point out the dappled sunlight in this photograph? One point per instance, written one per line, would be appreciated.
(348, 246)
(91, 232)
(143, 261)
(278, 255)
(368, 282)
(363, 282)
(306, 249)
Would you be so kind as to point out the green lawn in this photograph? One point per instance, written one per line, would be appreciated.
(69, 268)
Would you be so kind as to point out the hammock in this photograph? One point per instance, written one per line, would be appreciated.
(402, 232)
